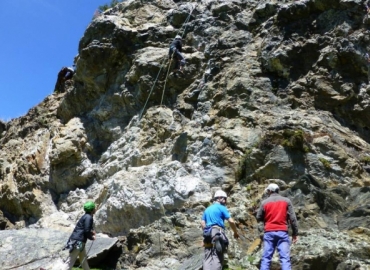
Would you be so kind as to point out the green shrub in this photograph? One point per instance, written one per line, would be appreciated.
(76, 268)
(248, 187)
(240, 170)
(232, 268)
(293, 139)
(306, 149)
(104, 268)
(113, 3)
(365, 159)
(325, 162)
(251, 259)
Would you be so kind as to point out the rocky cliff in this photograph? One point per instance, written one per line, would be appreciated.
(273, 91)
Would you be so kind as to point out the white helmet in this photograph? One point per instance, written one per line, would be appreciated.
(178, 37)
(220, 193)
(272, 187)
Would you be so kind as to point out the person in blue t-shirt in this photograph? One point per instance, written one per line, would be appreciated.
(216, 242)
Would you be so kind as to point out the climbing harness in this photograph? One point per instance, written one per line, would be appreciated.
(87, 253)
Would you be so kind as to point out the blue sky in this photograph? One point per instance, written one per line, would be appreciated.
(38, 37)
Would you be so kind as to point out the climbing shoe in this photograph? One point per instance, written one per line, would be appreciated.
(178, 71)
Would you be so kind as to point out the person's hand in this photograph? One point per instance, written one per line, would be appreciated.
(294, 239)
(236, 235)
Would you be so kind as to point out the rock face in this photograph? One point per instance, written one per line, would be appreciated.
(272, 92)
(42, 248)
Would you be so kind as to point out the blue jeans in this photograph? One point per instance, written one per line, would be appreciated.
(279, 240)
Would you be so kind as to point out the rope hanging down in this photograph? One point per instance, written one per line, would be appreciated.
(164, 87)
(162, 64)
(169, 66)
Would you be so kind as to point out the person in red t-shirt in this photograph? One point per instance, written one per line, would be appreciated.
(275, 212)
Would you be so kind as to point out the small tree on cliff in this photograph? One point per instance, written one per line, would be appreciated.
(107, 6)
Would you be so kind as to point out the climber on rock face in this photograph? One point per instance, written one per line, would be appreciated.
(66, 73)
(69, 73)
(175, 53)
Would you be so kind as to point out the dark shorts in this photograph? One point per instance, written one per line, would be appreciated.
(177, 55)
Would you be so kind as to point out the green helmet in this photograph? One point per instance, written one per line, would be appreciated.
(89, 207)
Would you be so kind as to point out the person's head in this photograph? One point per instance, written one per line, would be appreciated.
(89, 207)
(220, 196)
(272, 188)
(178, 37)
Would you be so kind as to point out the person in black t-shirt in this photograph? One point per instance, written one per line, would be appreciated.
(77, 241)
(175, 52)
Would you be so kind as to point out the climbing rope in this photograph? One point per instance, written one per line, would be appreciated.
(164, 87)
(140, 116)
(151, 90)
(165, 81)
(168, 71)
(162, 64)
(169, 66)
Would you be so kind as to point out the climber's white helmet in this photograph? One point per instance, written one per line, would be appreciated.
(272, 187)
(220, 193)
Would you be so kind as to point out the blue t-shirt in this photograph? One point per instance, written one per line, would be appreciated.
(215, 215)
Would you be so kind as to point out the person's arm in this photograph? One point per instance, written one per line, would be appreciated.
(260, 215)
(179, 47)
(293, 222)
(233, 227)
(203, 224)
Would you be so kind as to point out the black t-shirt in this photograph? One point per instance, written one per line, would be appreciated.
(83, 229)
(177, 44)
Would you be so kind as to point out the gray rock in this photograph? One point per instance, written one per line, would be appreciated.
(31, 249)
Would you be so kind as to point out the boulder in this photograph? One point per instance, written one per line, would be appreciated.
(33, 249)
